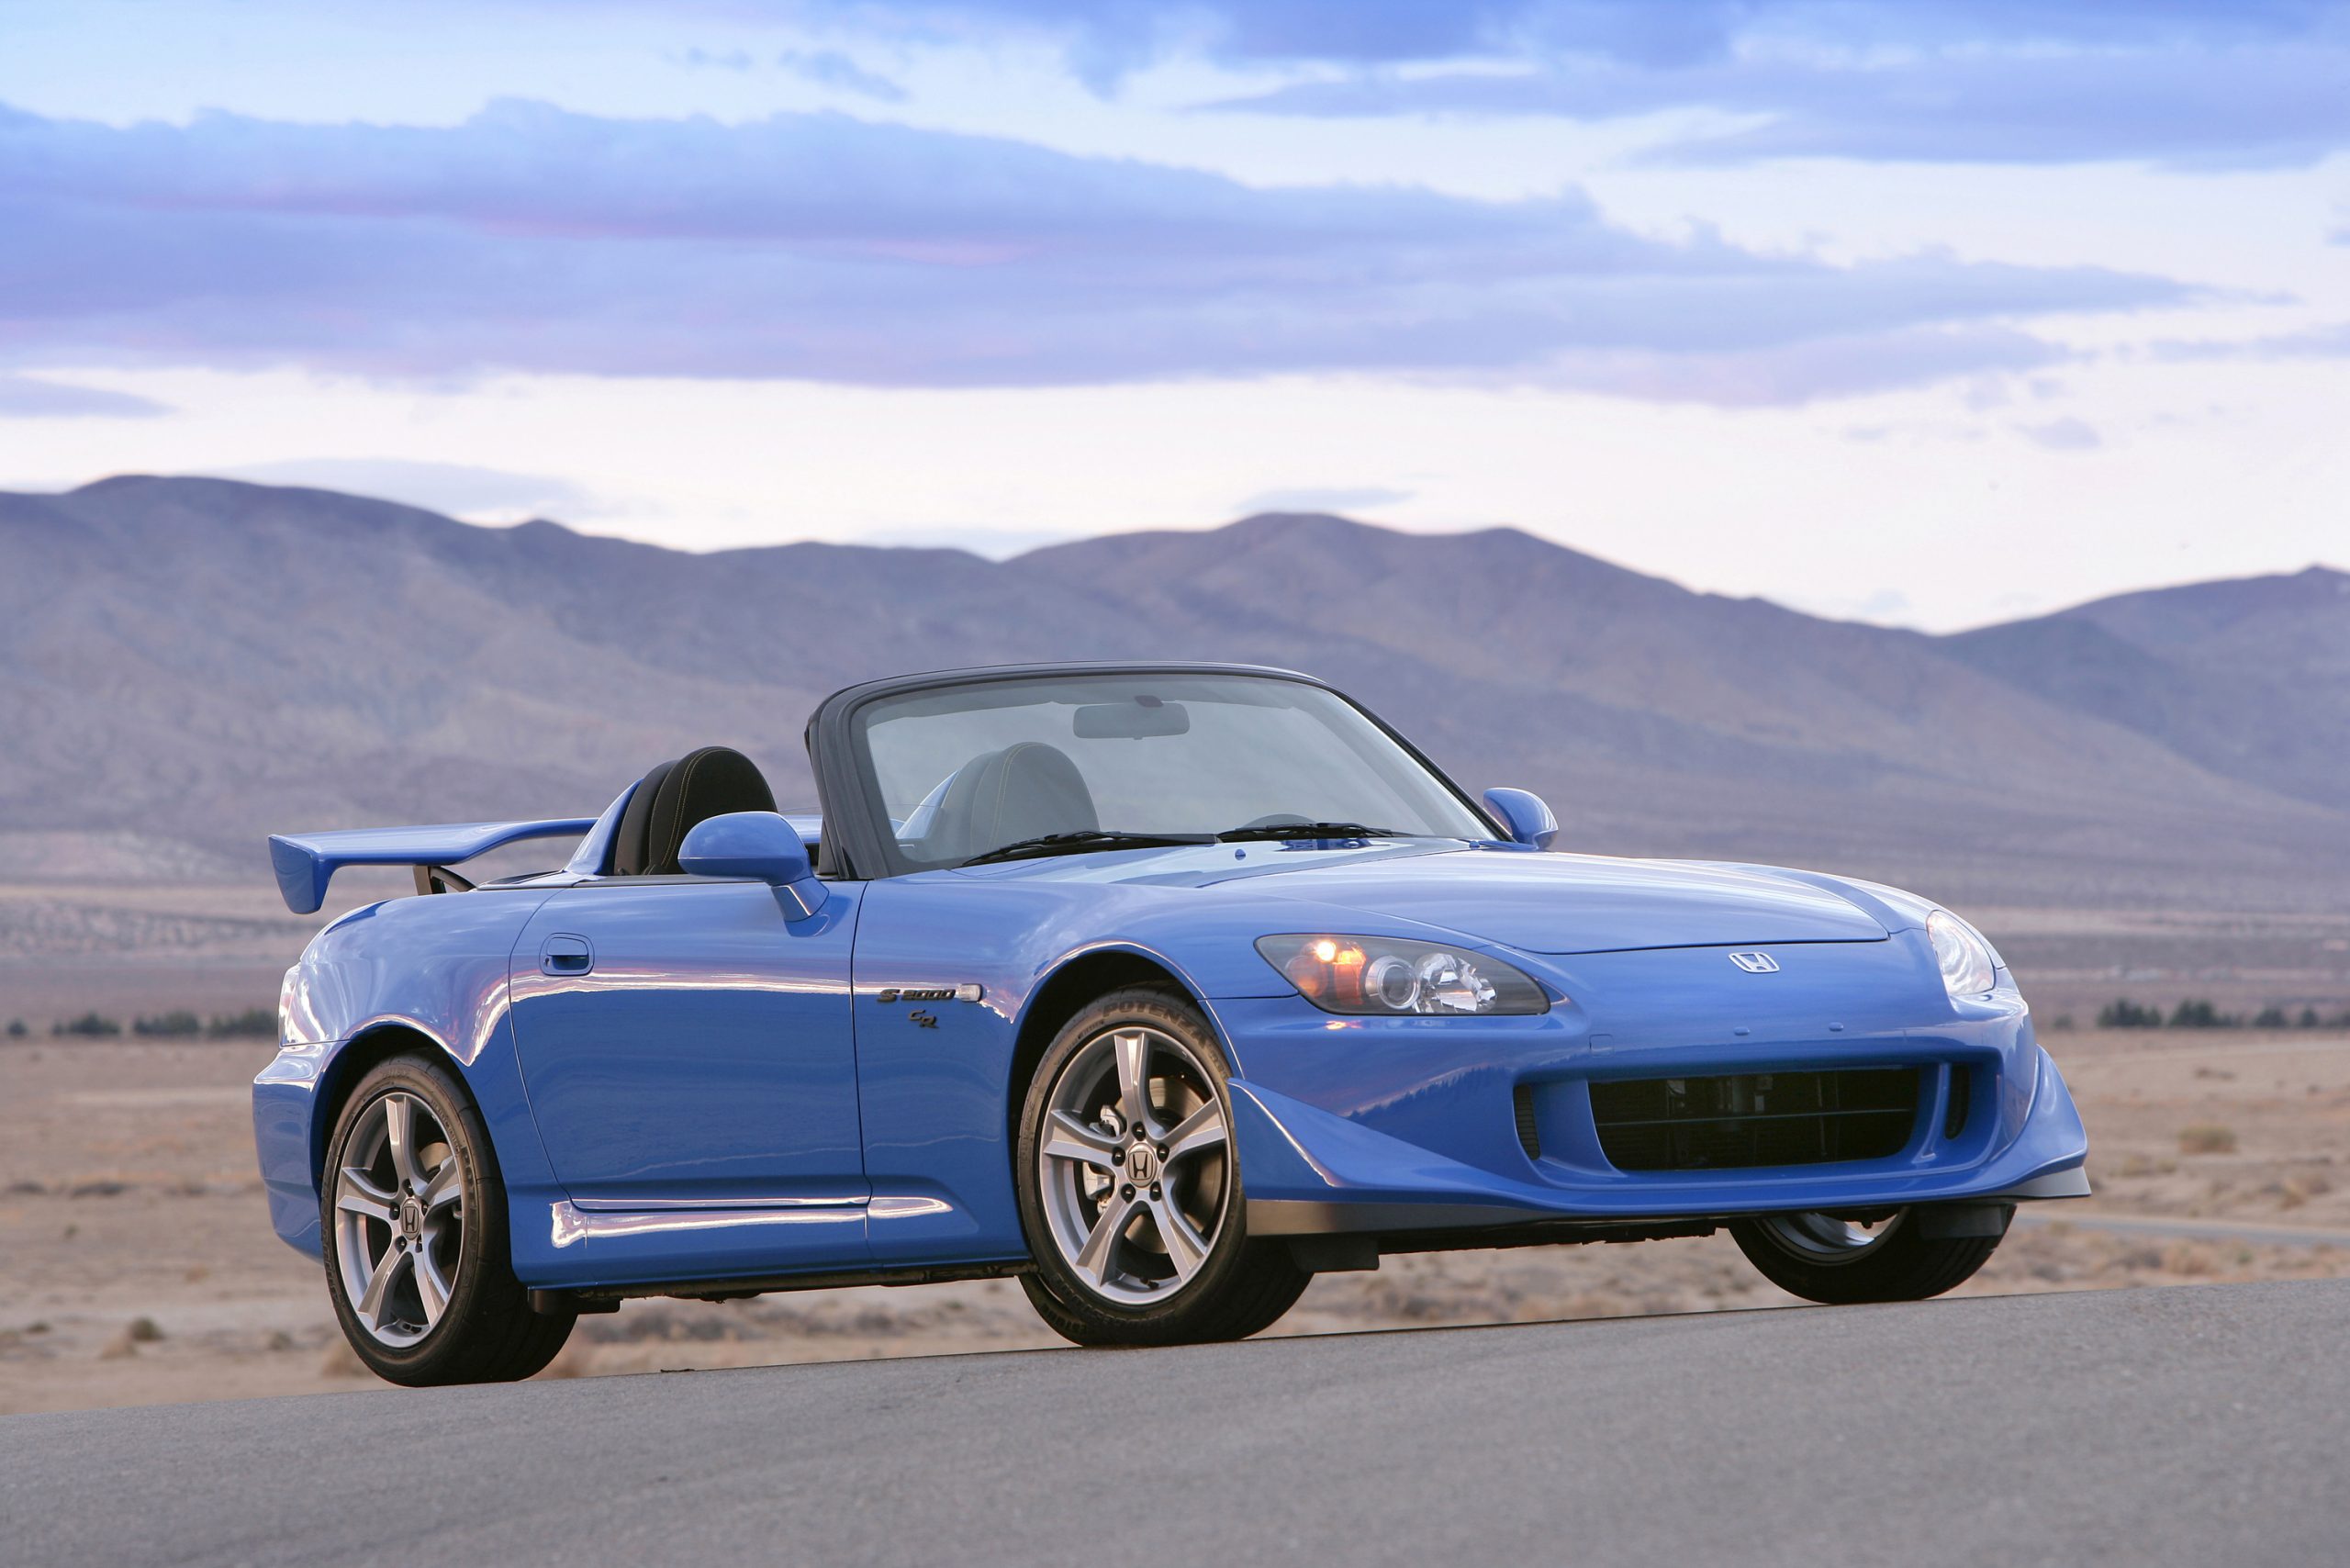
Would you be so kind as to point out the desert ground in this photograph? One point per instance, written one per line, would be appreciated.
(137, 1264)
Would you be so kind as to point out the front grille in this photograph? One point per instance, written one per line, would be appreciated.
(1529, 1135)
(1763, 1118)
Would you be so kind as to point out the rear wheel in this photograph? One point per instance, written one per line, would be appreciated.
(1825, 1258)
(413, 1218)
(1130, 1186)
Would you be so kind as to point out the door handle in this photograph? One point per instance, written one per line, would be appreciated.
(563, 954)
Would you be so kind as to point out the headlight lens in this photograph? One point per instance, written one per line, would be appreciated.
(1376, 976)
(1964, 957)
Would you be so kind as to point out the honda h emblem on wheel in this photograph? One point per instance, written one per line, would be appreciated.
(1755, 963)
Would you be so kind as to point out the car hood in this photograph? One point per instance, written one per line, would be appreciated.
(1538, 903)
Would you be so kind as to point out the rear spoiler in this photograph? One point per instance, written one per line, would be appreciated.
(305, 862)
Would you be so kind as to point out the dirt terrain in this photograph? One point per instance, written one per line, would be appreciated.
(137, 1264)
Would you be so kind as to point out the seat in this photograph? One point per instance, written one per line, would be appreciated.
(672, 797)
(1027, 789)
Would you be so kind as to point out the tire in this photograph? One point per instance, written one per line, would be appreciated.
(1130, 1250)
(422, 1218)
(1823, 1259)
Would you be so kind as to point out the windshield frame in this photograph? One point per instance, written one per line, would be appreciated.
(859, 843)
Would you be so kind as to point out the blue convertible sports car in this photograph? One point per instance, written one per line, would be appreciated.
(1160, 987)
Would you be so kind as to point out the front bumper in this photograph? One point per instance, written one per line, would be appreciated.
(1307, 1171)
(1421, 1125)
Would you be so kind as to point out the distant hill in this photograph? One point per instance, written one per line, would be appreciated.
(2248, 678)
(192, 663)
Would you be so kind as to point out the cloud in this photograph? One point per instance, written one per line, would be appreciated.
(2061, 435)
(715, 60)
(825, 248)
(2328, 342)
(2186, 107)
(28, 398)
(1333, 499)
(831, 68)
(457, 488)
(1657, 33)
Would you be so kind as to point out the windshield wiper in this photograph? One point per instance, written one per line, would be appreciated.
(1082, 841)
(1309, 830)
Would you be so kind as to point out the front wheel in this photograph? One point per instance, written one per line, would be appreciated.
(1130, 1186)
(414, 1224)
(1825, 1258)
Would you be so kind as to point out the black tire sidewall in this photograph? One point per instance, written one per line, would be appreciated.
(1905, 1267)
(1201, 1309)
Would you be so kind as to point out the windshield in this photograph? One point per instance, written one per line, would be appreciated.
(966, 771)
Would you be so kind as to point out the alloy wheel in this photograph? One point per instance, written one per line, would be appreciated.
(1830, 1239)
(399, 1219)
(1134, 1165)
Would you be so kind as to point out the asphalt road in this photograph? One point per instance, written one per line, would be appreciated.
(2184, 1229)
(2203, 1426)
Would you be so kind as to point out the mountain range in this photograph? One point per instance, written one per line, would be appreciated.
(186, 665)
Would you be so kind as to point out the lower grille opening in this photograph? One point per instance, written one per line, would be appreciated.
(1529, 1136)
(1763, 1118)
(1962, 1090)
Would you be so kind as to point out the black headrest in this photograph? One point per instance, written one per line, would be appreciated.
(674, 797)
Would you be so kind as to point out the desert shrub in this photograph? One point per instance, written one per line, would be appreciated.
(253, 1023)
(2197, 1012)
(2207, 1137)
(2270, 1017)
(2124, 1014)
(2308, 1020)
(177, 1021)
(16, 1028)
(2062, 1021)
(90, 1025)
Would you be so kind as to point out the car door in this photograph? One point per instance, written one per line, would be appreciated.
(684, 1045)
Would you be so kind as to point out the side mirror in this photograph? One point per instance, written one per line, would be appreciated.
(761, 845)
(1529, 819)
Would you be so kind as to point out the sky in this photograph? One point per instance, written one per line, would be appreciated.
(1932, 314)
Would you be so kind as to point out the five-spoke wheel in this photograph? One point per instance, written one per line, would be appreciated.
(412, 1217)
(399, 1219)
(1129, 1188)
(1134, 1164)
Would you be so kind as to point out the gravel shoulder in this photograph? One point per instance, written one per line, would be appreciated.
(139, 1268)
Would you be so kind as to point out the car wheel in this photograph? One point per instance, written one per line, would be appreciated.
(1130, 1187)
(413, 1218)
(1823, 1257)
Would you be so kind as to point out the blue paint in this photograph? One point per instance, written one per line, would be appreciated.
(1527, 817)
(305, 862)
(717, 1076)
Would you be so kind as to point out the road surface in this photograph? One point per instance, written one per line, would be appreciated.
(2206, 1425)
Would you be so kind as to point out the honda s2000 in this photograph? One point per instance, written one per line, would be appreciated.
(1161, 988)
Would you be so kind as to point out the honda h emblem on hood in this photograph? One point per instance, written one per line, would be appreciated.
(1755, 963)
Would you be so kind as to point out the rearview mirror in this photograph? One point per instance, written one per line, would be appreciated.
(1139, 720)
(760, 844)
(1529, 819)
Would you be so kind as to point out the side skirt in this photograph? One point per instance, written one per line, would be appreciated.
(608, 1298)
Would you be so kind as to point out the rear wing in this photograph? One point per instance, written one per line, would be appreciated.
(305, 862)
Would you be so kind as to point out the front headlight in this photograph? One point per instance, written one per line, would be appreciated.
(1964, 957)
(1378, 977)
